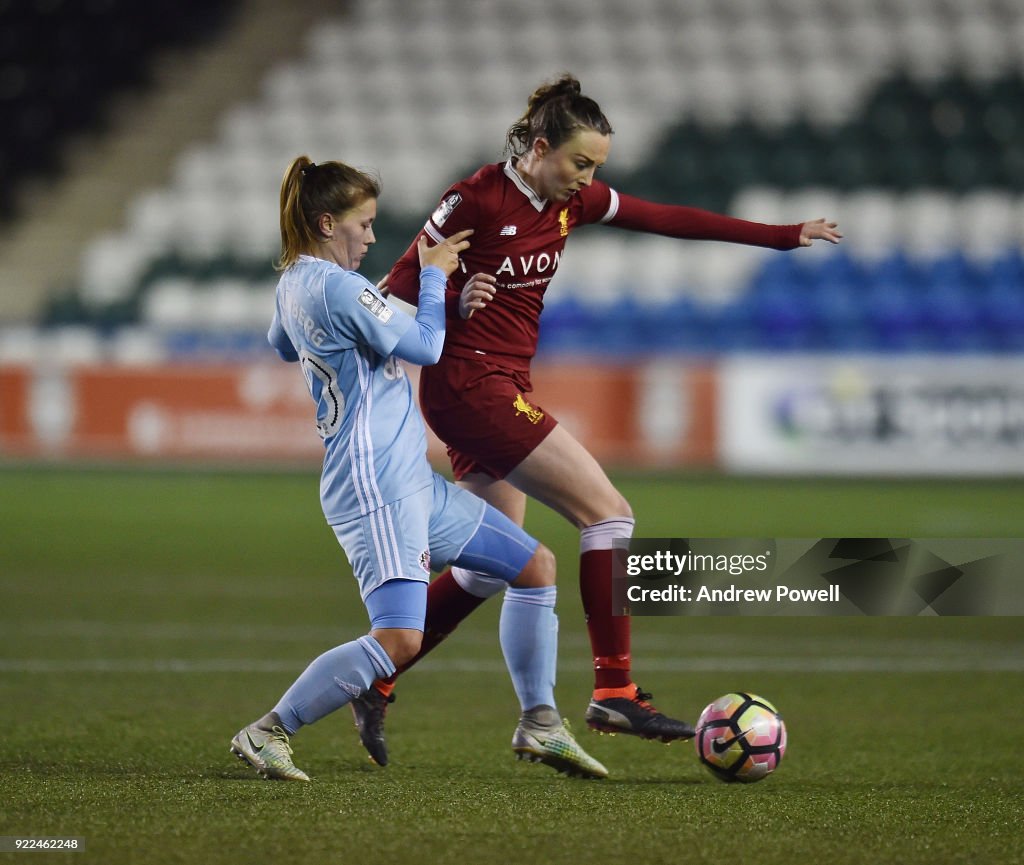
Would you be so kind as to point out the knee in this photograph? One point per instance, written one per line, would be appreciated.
(614, 506)
(545, 563)
(539, 571)
(401, 644)
(609, 506)
(623, 508)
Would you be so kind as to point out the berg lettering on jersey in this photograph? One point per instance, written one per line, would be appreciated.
(519, 238)
(343, 332)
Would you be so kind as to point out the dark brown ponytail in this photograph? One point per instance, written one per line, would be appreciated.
(555, 111)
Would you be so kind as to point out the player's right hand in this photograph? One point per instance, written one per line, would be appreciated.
(478, 291)
(445, 255)
(819, 229)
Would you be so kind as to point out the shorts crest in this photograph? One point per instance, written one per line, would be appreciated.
(533, 414)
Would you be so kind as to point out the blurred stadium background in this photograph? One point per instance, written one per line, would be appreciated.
(141, 154)
(872, 389)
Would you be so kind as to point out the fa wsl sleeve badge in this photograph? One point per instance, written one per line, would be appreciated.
(375, 306)
(445, 208)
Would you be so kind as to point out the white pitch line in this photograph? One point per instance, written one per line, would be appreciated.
(646, 644)
(845, 664)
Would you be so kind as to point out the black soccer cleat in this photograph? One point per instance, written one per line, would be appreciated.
(636, 717)
(369, 710)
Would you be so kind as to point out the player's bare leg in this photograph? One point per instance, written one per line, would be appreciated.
(528, 631)
(562, 474)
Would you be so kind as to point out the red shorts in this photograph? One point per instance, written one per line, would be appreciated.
(480, 411)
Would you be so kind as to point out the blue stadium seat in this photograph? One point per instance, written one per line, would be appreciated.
(951, 271)
(1001, 309)
(622, 327)
(896, 270)
(1006, 269)
(733, 327)
(895, 315)
(567, 327)
(779, 271)
(951, 314)
(839, 269)
(785, 320)
(671, 327)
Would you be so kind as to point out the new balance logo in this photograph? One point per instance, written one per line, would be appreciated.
(508, 231)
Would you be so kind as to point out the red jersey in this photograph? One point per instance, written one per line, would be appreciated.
(519, 237)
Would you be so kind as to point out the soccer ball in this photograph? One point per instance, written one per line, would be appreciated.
(740, 737)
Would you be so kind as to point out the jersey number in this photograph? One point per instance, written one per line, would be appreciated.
(393, 369)
(316, 370)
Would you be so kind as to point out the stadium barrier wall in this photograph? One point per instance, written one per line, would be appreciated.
(845, 415)
(645, 415)
(828, 415)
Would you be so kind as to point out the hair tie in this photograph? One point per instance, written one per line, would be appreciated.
(309, 167)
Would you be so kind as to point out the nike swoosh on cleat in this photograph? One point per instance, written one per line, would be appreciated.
(720, 746)
(255, 748)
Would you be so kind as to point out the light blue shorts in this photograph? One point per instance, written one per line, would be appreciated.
(400, 540)
(441, 524)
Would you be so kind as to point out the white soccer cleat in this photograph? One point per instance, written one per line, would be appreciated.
(264, 746)
(543, 737)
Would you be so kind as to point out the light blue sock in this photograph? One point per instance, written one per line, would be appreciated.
(529, 640)
(332, 680)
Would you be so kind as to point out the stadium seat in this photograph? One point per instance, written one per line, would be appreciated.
(895, 118)
(1001, 309)
(93, 51)
(567, 328)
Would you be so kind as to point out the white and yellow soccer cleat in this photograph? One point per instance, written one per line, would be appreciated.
(543, 737)
(264, 746)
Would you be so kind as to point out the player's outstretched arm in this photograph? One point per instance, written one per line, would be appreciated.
(693, 223)
(819, 229)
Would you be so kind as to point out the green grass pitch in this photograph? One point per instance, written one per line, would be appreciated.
(146, 616)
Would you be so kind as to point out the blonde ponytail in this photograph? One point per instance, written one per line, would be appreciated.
(308, 191)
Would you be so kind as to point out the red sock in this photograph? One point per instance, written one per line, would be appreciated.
(447, 605)
(609, 633)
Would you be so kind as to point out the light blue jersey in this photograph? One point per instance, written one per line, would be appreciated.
(392, 514)
(343, 332)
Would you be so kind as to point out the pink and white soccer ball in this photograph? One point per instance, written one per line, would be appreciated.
(740, 737)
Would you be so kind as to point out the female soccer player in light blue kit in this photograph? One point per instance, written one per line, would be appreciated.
(393, 515)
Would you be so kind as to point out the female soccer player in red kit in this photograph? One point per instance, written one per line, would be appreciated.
(503, 447)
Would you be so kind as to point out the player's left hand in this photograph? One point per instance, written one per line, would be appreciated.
(819, 229)
(477, 293)
(382, 286)
(446, 254)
